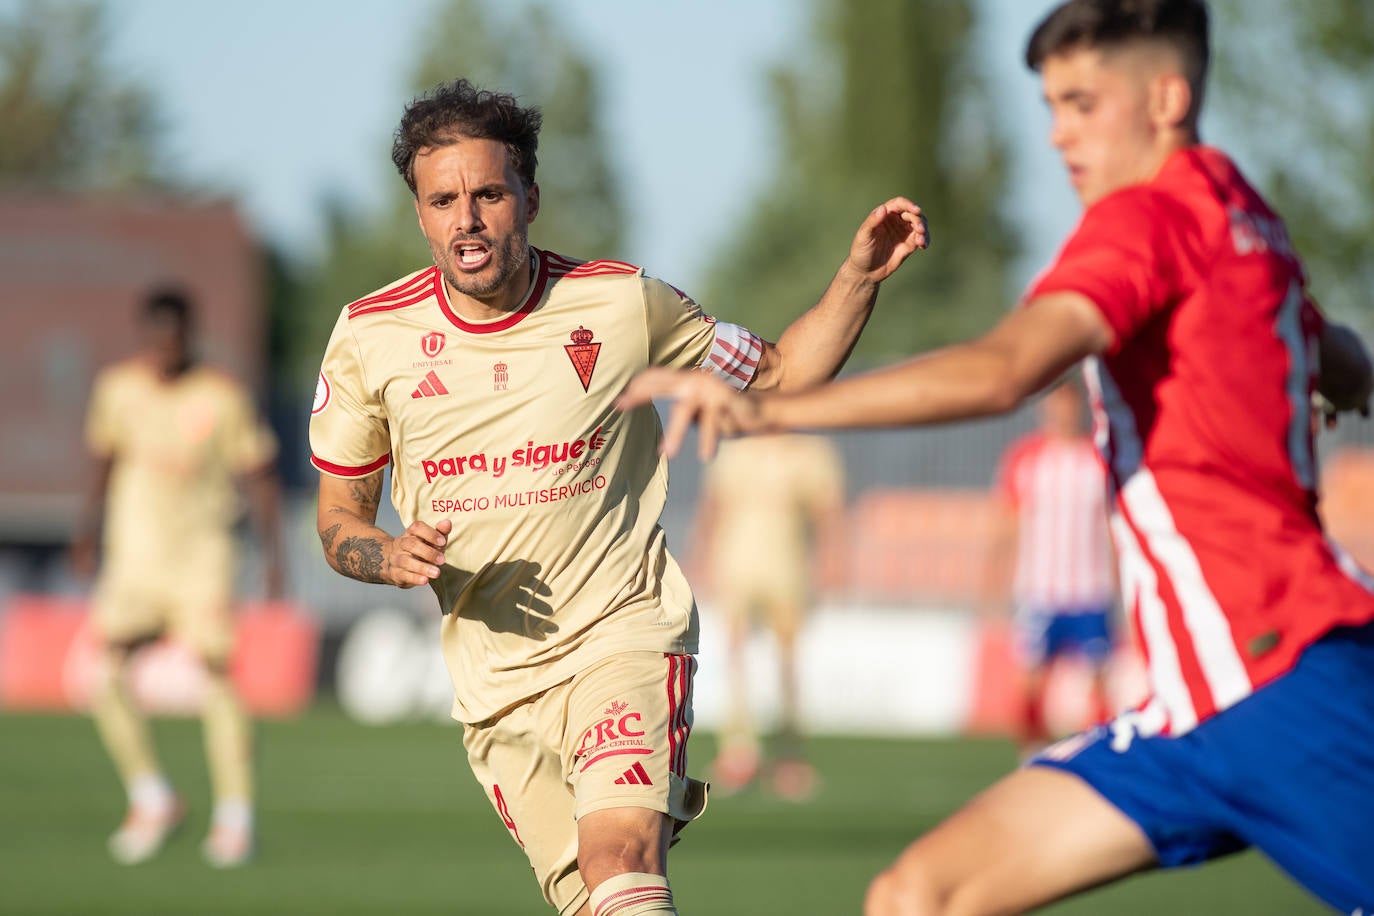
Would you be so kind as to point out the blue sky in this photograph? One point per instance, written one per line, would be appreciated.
(283, 104)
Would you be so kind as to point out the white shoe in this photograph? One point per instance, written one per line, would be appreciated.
(227, 847)
(144, 833)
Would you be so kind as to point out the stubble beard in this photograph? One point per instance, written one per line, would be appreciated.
(508, 257)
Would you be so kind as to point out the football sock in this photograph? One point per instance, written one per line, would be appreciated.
(124, 732)
(228, 740)
(152, 793)
(633, 894)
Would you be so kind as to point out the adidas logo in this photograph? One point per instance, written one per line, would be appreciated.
(430, 387)
(635, 776)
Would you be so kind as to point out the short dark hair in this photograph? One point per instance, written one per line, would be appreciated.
(1180, 24)
(169, 303)
(459, 109)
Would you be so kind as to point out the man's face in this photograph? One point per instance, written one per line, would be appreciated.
(166, 343)
(475, 214)
(1100, 106)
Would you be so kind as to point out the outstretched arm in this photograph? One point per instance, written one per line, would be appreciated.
(816, 345)
(355, 546)
(993, 374)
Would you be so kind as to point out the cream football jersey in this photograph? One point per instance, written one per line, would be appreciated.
(508, 427)
(177, 447)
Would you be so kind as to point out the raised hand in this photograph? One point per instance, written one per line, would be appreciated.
(889, 234)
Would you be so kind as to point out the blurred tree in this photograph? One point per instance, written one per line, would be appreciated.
(70, 121)
(1294, 87)
(527, 54)
(888, 101)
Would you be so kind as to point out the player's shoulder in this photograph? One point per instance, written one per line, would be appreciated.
(409, 290)
(563, 267)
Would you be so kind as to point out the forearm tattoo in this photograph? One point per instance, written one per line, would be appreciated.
(328, 535)
(361, 558)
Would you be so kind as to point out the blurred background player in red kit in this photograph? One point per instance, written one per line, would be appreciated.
(1051, 555)
(1182, 290)
(769, 509)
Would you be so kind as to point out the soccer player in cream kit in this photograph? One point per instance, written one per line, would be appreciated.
(1204, 356)
(488, 383)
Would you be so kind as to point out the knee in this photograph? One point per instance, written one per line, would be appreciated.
(903, 889)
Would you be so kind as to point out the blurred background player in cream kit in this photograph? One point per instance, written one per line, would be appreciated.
(771, 510)
(1207, 360)
(171, 439)
(487, 382)
(1051, 557)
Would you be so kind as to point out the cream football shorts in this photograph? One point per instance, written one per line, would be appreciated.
(613, 736)
(191, 602)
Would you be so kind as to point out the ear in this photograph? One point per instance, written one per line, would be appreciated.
(1171, 100)
(532, 203)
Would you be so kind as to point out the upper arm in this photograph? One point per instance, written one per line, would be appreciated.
(1041, 340)
(349, 435)
(682, 336)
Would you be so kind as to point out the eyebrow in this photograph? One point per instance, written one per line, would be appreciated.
(497, 186)
(1070, 96)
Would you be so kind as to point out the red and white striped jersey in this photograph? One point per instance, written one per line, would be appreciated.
(1203, 409)
(1056, 487)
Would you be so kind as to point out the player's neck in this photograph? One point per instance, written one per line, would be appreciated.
(500, 303)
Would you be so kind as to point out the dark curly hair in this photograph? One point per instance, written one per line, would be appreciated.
(458, 109)
(1180, 24)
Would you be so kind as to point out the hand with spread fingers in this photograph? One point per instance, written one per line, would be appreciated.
(717, 409)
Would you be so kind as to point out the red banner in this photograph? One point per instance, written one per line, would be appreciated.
(50, 659)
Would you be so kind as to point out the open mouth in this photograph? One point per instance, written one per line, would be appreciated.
(471, 255)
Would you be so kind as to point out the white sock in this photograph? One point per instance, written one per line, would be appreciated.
(152, 792)
(233, 814)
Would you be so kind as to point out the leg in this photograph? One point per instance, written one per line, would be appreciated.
(154, 809)
(737, 761)
(793, 777)
(228, 754)
(1034, 837)
(627, 768)
(622, 854)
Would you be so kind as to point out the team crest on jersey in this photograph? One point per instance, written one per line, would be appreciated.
(500, 377)
(322, 392)
(583, 352)
(432, 344)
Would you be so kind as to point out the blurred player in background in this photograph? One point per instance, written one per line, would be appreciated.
(770, 508)
(1050, 543)
(531, 504)
(171, 440)
(1182, 286)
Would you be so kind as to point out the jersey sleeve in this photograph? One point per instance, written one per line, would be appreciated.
(1122, 258)
(248, 442)
(102, 420)
(349, 436)
(682, 336)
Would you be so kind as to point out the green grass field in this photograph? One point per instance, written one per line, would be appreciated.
(389, 821)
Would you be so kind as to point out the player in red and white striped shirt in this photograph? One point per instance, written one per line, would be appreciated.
(1052, 522)
(1181, 287)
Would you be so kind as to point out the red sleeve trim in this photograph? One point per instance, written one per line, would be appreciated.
(344, 470)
